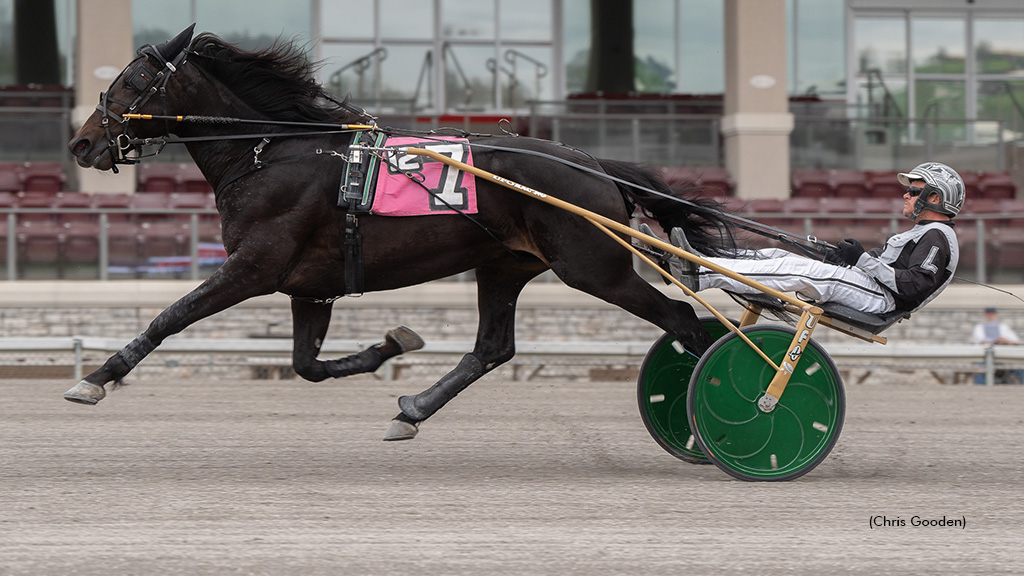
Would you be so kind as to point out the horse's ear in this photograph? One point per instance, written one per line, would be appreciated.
(176, 45)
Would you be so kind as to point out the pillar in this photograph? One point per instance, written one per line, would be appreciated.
(104, 46)
(756, 124)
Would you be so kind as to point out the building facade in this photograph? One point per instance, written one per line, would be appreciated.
(780, 84)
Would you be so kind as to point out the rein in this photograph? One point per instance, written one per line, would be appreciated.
(149, 83)
(809, 245)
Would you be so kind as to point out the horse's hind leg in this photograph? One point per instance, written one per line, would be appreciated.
(498, 289)
(613, 280)
(309, 326)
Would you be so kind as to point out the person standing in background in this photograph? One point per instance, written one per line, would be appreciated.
(992, 332)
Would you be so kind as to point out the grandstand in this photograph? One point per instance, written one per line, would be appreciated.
(810, 142)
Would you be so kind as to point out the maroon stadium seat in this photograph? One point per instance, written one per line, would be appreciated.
(74, 201)
(810, 183)
(883, 184)
(679, 175)
(159, 177)
(43, 176)
(113, 202)
(716, 181)
(38, 241)
(192, 180)
(849, 184)
(997, 185)
(1009, 253)
(169, 238)
(10, 183)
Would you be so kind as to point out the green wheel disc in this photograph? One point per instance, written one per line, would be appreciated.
(750, 444)
(661, 394)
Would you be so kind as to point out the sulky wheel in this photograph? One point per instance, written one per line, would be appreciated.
(661, 393)
(746, 442)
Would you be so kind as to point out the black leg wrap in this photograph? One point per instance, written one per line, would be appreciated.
(364, 361)
(136, 350)
(423, 405)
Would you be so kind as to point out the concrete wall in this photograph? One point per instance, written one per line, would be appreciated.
(438, 311)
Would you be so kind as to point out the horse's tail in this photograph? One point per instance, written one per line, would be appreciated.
(707, 225)
(704, 220)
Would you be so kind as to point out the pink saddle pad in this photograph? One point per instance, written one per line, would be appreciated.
(438, 189)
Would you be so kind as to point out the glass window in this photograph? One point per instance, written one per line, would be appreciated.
(884, 99)
(576, 43)
(467, 19)
(402, 85)
(64, 18)
(821, 40)
(701, 47)
(654, 44)
(532, 80)
(525, 19)
(1002, 100)
(999, 46)
(157, 21)
(880, 45)
(941, 100)
(255, 24)
(350, 69)
(7, 72)
(406, 19)
(337, 21)
(939, 45)
(470, 77)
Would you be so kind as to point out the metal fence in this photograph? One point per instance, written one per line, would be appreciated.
(201, 251)
(270, 358)
(680, 133)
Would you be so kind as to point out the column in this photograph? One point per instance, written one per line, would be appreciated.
(757, 123)
(104, 47)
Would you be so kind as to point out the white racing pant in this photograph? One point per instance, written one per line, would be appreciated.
(810, 279)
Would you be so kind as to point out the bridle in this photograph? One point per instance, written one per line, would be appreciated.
(147, 82)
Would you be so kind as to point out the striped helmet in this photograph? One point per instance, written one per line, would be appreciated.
(940, 179)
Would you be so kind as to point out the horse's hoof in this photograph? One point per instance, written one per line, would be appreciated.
(406, 339)
(85, 393)
(400, 430)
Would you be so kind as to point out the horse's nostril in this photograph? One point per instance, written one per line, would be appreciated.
(81, 145)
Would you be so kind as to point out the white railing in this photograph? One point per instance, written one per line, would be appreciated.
(966, 358)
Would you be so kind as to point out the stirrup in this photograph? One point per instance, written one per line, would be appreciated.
(682, 269)
(660, 256)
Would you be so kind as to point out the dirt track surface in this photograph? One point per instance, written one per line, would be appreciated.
(237, 477)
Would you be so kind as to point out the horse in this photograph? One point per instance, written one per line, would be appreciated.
(283, 230)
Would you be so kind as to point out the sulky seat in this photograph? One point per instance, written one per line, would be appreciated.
(839, 316)
(874, 323)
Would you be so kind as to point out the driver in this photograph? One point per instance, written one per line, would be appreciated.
(904, 275)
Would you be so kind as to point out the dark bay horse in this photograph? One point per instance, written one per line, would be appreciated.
(283, 231)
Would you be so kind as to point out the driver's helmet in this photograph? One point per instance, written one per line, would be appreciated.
(937, 178)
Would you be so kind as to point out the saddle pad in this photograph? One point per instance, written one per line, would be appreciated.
(441, 189)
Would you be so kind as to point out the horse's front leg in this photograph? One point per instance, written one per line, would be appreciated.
(234, 282)
(309, 326)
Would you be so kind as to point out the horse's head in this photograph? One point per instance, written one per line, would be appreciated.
(107, 136)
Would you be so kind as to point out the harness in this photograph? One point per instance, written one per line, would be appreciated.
(146, 83)
(361, 164)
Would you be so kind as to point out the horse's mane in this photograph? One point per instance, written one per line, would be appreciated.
(277, 81)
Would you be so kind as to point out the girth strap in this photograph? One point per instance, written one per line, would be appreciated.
(353, 256)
